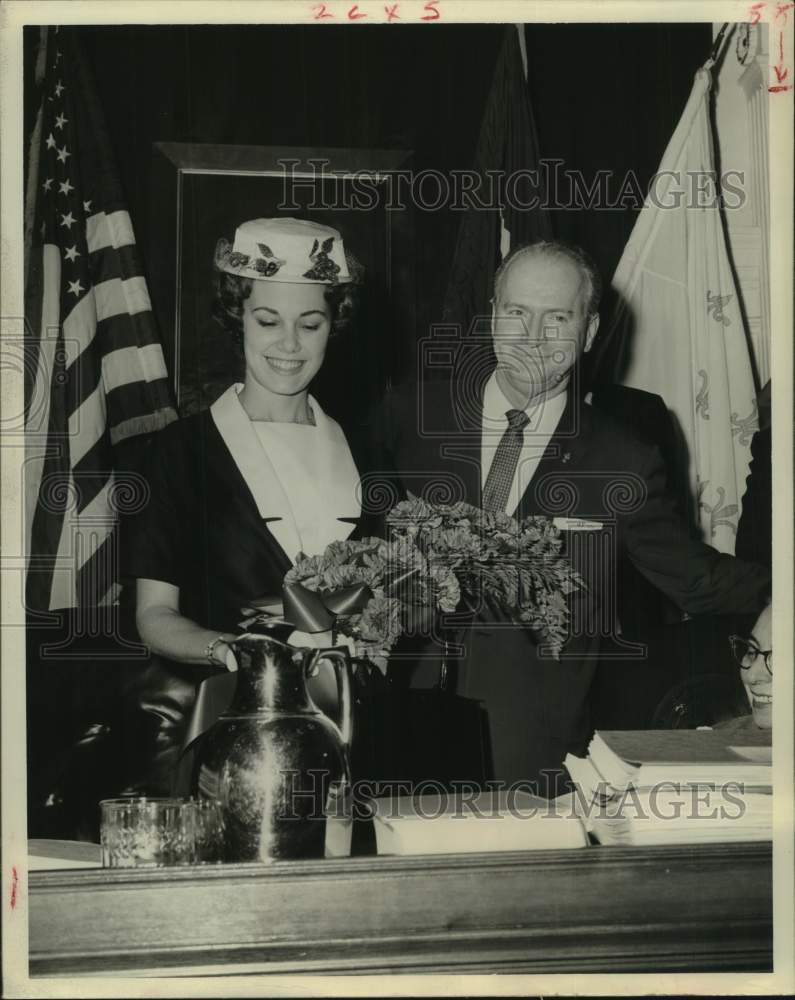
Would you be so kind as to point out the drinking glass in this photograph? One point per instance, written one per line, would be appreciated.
(147, 833)
(208, 824)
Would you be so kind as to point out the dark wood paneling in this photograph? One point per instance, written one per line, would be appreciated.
(601, 909)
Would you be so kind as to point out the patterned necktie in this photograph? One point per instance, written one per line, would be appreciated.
(503, 465)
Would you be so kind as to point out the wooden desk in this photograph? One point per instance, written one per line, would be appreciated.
(602, 909)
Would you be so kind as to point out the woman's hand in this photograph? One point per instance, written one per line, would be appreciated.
(170, 634)
(221, 652)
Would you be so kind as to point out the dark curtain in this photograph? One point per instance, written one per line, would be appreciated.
(605, 97)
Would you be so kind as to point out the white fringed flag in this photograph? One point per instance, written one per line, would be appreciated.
(680, 323)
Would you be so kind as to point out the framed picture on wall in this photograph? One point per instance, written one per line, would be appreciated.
(203, 192)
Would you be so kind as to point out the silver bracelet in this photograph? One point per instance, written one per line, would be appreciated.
(209, 651)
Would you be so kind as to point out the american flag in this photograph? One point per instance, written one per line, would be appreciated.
(96, 374)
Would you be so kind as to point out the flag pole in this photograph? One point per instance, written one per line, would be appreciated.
(34, 150)
(717, 46)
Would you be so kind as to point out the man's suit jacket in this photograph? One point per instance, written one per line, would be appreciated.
(755, 530)
(593, 471)
(641, 607)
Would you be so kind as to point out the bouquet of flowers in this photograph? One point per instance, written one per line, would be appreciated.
(444, 558)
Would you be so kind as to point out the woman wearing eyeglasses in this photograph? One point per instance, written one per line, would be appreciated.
(755, 656)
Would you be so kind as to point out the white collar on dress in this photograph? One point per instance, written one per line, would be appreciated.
(241, 439)
(259, 474)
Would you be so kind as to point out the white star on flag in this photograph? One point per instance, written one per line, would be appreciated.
(60, 121)
(59, 89)
(86, 206)
(67, 220)
(47, 184)
(72, 253)
(75, 288)
(66, 187)
(50, 141)
(63, 153)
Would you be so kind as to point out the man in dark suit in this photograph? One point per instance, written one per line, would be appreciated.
(514, 435)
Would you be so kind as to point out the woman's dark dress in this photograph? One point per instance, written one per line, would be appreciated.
(201, 531)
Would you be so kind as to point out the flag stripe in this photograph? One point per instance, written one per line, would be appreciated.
(117, 297)
(148, 423)
(118, 367)
(98, 572)
(37, 415)
(85, 378)
(52, 496)
(87, 425)
(118, 332)
(79, 328)
(126, 396)
(91, 476)
(112, 229)
(108, 263)
(134, 400)
(95, 509)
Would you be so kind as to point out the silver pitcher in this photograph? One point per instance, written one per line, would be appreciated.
(273, 759)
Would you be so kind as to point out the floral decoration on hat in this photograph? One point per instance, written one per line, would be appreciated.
(325, 269)
(268, 264)
(279, 249)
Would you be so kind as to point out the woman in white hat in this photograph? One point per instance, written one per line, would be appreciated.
(239, 490)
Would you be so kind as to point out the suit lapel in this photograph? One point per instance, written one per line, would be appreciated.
(461, 451)
(546, 492)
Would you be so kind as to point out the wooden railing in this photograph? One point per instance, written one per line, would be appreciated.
(601, 909)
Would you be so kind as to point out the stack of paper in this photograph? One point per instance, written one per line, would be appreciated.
(674, 786)
(486, 821)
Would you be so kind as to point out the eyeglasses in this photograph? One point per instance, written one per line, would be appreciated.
(746, 652)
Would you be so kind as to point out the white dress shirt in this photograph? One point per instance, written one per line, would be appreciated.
(544, 419)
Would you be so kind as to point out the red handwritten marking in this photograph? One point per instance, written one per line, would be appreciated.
(391, 12)
(14, 882)
(354, 14)
(432, 13)
(320, 12)
(779, 19)
(756, 12)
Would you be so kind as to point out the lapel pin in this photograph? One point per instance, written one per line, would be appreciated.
(566, 456)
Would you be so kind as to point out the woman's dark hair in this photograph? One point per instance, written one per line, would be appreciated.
(232, 290)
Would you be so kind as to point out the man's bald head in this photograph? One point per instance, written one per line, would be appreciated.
(556, 248)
